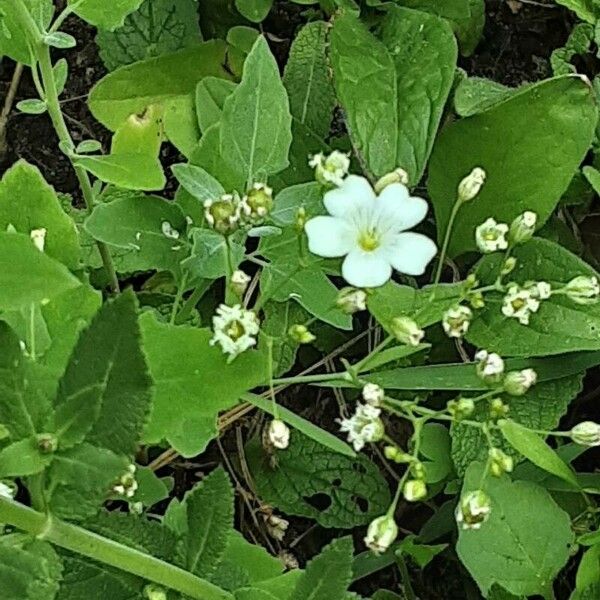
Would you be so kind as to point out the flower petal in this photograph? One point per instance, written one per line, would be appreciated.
(366, 269)
(354, 193)
(395, 205)
(329, 237)
(410, 253)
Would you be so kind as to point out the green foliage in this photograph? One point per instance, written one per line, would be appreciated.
(254, 10)
(95, 13)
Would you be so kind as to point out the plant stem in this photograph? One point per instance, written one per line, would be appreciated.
(408, 589)
(8, 104)
(311, 378)
(109, 552)
(446, 243)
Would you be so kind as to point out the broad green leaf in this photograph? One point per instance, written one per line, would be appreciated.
(151, 488)
(476, 94)
(28, 276)
(254, 10)
(533, 447)
(209, 522)
(193, 383)
(140, 134)
(197, 182)
(158, 27)
(308, 81)
(588, 10)
(423, 50)
(107, 367)
(152, 228)
(211, 94)
(560, 325)
(588, 572)
(435, 448)
(95, 11)
(302, 425)
(129, 171)
(281, 587)
(240, 40)
(310, 480)
(256, 125)
(366, 85)
(23, 458)
(131, 89)
(559, 116)
(308, 196)
(328, 575)
(422, 554)
(524, 543)
(180, 124)
(27, 202)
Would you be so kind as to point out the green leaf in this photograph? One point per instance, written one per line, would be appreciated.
(328, 575)
(423, 50)
(560, 325)
(197, 182)
(153, 229)
(435, 448)
(32, 106)
(28, 276)
(131, 89)
(310, 480)
(588, 10)
(476, 94)
(533, 447)
(158, 27)
(140, 134)
(308, 81)
(129, 171)
(180, 124)
(254, 10)
(95, 12)
(23, 458)
(524, 543)
(308, 196)
(107, 367)
(151, 488)
(27, 202)
(211, 94)
(209, 522)
(193, 383)
(256, 126)
(559, 116)
(60, 40)
(366, 86)
(422, 554)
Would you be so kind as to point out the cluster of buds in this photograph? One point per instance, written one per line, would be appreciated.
(456, 320)
(235, 329)
(278, 434)
(381, 534)
(499, 462)
(126, 485)
(586, 434)
(406, 331)
(332, 169)
(364, 426)
(351, 300)
(473, 510)
(490, 368)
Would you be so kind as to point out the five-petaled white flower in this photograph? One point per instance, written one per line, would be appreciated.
(519, 303)
(370, 231)
(491, 236)
(364, 426)
(234, 329)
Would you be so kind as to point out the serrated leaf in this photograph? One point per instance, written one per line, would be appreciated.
(256, 124)
(588, 10)
(524, 543)
(209, 522)
(366, 86)
(423, 50)
(28, 276)
(328, 575)
(308, 81)
(23, 458)
(211, 94)
(313, 481)
(193, 383)
(95, 13)
(559, 116)
(158, 27)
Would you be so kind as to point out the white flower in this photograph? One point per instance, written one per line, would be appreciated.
(490, 366)
(583, 289)
(127, 485)
(370, 231)
(586, 434)
(414, 490)
(7, 491)
(364, 426)
(523, 228)
(331, 169)
(373, 394)
(169, 231)
(276, 526)
(471, 185)
(517, 383)
(456, 320)
(406, 331)
(350, 300)
(473, 510)
(491, 236)
(38, 237)
(279, 434)
(381, 534)
(239, 282)
(541, 290)
(234, 329)
(519, 303)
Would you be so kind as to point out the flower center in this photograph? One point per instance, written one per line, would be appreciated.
(235, 330)
(369, 240)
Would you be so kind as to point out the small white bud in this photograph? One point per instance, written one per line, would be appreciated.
(473, 510)
(373, 394)
(351, 300)
(38, 237)
(471, 185)
(490, 236)
(407, 331)
(239, 282)
(414, 490)
(522, 228)
(279, 434)
(276, 526)
(586, 434)
(583, 289)
(456, 320)
(382, 533)
(517, 383)
(396, 176)
(490, 366)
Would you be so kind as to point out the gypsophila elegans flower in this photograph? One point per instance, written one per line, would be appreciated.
(373, 394)
(522, 228)
(38, 237)
(381, 534)
(583, 289)
(258, 202)
(586, 433)
(456, 320)
(490, 366)
(518, 383)
(473, 510)
(371, 232)
(364, 426)
(490, 236)
(471, 185)
(406, 331)
(235, 329)
(332, 169)
(500, 462)
(127, 485)
(351, 300)
(278, 434)
(239, 282)
(414, 490)
(223, 214)
(519, 303)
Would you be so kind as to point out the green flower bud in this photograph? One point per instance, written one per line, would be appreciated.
(500, 462)
(407, 331)
(583, 289)
(301, 335)
(586, 434)
(471, 185)
(414, 490)
(522, 228)
(517, 383)
(461, 408)
(381, 534)
(47, 443)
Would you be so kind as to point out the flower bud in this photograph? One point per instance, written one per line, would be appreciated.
(583, 289)
(509, 265)
(276, 526)
(373, 394)
(471, 185)
(258, 202)
(407, 331)
(473, 510)
(38, 237)
(541, 290)
(414, 490)
(127, 485)
(500, 462)
(330, 170)
(490, 236)
(155, 592)
(301, 219)
(351, 300)
(456, 320)
(490, 366)
(47, 443)
(522, 228)
(301, 335)
(279, 434)
(239, 282)
(476, 300)
(396, 176)
(586, 434)
(381, 534)
(517, 383)
(223, 214)
(498, 409)
(417, 468)
(461, 408)
(398, 456)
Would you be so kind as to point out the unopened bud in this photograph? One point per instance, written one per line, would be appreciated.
(373, 394)
(586, 434)
(407, 331)
(517, 383)
(239, 282)
(414, 490)
(500, 462)
(301, 335)
(351, 300)
(498, 409)
(583, 289)
(490, 366)
(47, 443)
(471, 185)
(522, 228)
(279, 434)
(301, 218)
(509, 265)
(381, 534)
(398, 456)
(396, 176)
(155, 592)
(461, 408)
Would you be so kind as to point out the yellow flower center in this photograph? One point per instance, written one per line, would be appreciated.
(235, 330)
(368, 240)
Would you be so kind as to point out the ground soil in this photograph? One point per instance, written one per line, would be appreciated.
(518, 41)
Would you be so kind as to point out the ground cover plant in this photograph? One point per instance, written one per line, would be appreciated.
(306, 308)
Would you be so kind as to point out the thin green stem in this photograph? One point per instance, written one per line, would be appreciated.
(229, 295)
(109, 552)
(446, 243)
(360, 365)
(408, 589)
(191, 302)
(323, 377)
(177, 300)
